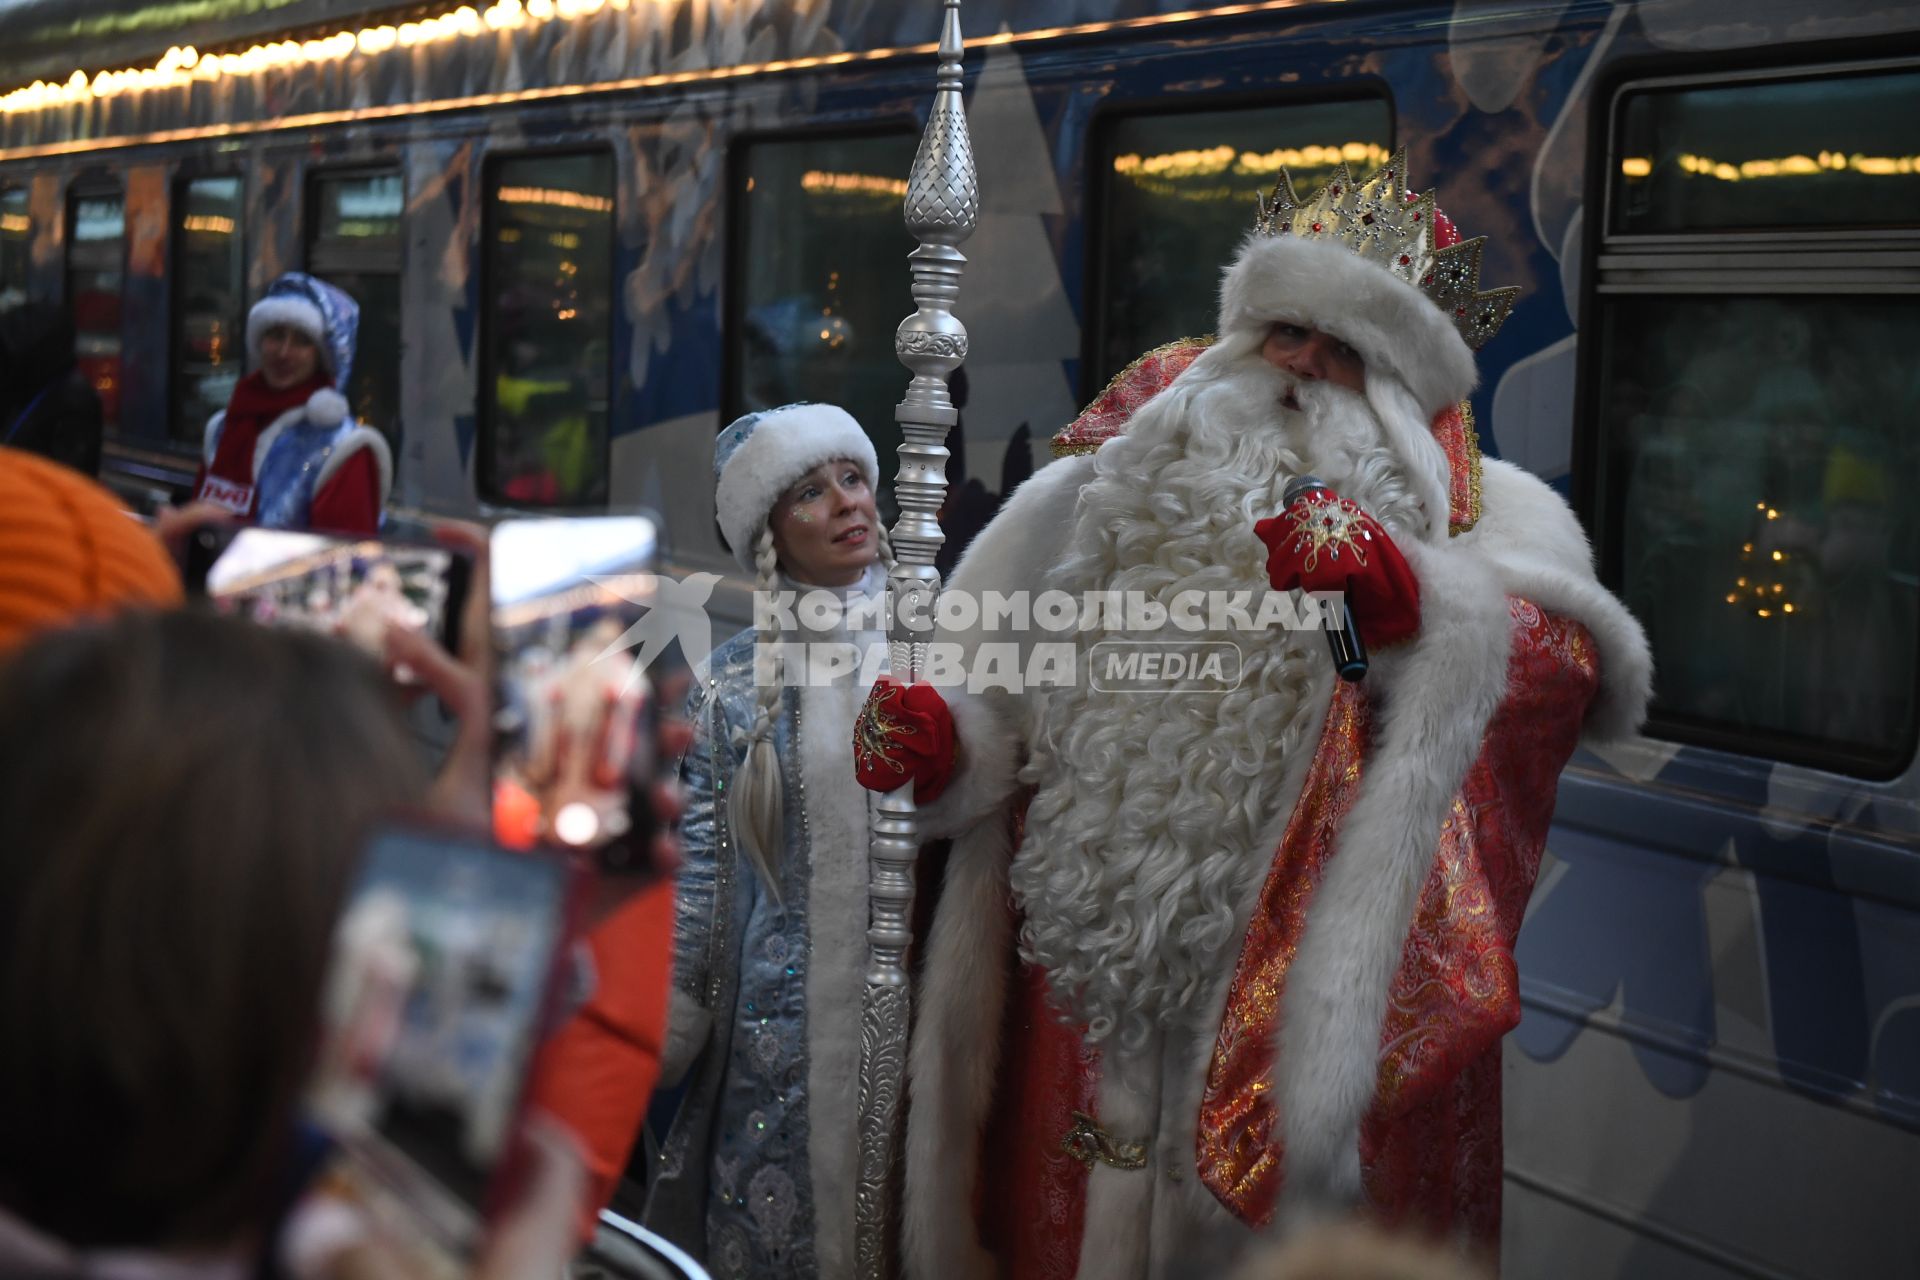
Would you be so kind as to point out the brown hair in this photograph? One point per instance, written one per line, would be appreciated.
(182, 799)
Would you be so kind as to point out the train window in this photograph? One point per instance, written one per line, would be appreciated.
(96, 268)
(209, 313)
(1751, 403)
(1811, 152)
(817, 276)
(1174, 194)
(548, 273)
(354, 243)
(16, 230)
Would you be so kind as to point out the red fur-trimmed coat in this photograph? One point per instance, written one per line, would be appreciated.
(1381, 935)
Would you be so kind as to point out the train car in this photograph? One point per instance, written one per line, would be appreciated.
(585, 233)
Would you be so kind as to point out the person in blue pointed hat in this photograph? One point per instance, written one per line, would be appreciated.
(285, 453)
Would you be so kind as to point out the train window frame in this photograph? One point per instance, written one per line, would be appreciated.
(323, 260)
(733, 292)
(82, 187)
(25, 188)
(1721, 264)
(484, 395)
(176, 230)
(1098, 223)
(367, 258)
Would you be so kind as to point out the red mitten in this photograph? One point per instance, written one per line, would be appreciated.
(1323, 542)
(904, 731)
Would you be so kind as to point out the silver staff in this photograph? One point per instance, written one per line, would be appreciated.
(943, 203)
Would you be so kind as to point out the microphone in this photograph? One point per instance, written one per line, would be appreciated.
(1349, 654)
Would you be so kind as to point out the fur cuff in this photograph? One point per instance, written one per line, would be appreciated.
(986, 763)
(1393, 325)
(1540, 553)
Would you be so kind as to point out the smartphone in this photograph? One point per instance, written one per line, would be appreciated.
(352, 588)
(575, 714)
(449, 967)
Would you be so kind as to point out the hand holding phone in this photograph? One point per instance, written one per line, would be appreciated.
(356, 589)
(576, 760)
(450, 963)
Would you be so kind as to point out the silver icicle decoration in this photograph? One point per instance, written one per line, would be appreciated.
(943, 204)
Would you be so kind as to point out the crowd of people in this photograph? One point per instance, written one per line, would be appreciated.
(1207, 970)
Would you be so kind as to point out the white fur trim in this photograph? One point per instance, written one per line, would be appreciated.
(837, 826)
(354, 441)
(1116, 1243)
(988, 756)
(285, 422)
(295, 313)
(1539, 551)
(955, 1057)
(1434, 699)
(1410, 436)
(210, 438)
(688, 1025)
(1392, 324)
(326, 408)
(784, 445)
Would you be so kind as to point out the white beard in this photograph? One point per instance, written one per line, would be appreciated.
(1154, 814)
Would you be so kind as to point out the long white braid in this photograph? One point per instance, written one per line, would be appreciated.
(756, 809)
(759, 792)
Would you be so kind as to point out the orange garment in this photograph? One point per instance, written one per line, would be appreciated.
(69, 550)
(596, 1075)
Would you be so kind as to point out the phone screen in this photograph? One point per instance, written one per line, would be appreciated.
(443, 980)
(573, 719)
(345, 587)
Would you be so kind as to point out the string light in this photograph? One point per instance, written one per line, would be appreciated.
(1175, 165)
(558, 199)
(183, 65)
(818, 182)
(1797, 166)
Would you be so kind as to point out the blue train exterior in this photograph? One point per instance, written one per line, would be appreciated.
(1719, 1069)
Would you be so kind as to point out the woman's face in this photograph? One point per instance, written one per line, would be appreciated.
(288, 357)
(825, 528)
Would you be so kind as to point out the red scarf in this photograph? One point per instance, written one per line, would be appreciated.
(255, 406)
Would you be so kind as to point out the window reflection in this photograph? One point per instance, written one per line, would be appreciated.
(818, 278)
(1759, 454)
(209, 319)
(1177, 190)
(355, 246)
(96, 270)
(1807, 153)
(16, 231)
(549, 256)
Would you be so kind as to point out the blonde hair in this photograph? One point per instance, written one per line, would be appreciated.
(757, 808)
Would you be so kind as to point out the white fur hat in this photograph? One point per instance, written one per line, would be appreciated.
(1394, 326)
(761, 454)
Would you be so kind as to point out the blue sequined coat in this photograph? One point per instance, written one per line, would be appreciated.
(756, 1172)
